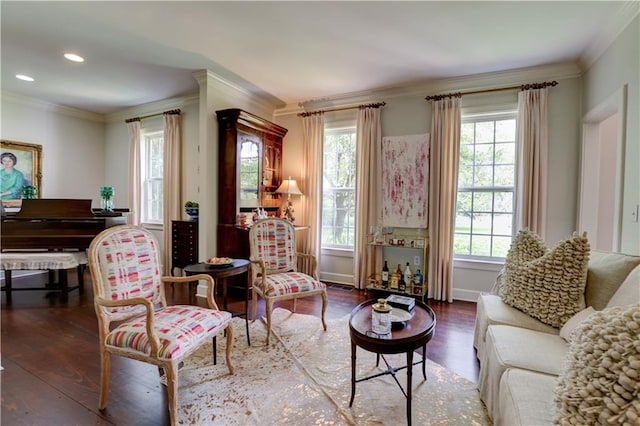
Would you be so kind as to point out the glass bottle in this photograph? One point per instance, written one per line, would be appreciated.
(417, 283)
(381, 317)
(408, 275)
(385, 275)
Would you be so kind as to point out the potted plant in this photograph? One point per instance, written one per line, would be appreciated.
(191, 208)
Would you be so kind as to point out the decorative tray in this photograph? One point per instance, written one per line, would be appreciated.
(400, 315)
(219, 262)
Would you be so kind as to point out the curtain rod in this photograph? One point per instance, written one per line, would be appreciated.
(322, 111)
(499, 89)
(170, 112)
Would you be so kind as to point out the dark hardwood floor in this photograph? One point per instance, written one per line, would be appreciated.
(51, 361)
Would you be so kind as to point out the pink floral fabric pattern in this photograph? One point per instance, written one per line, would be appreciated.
(275, 242)
(179, 328)
(130, 264)
(287, 283)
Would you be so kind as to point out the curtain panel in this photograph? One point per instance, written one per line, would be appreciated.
(443, 179)
(368, 191)
(172, 170)
(312, 138)
(133, 128)
(533, 147)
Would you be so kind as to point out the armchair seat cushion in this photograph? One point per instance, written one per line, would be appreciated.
(287, 283)
(180, 328)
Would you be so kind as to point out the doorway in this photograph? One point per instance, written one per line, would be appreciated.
(602, 173)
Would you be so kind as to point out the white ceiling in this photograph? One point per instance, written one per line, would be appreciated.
(139, 52)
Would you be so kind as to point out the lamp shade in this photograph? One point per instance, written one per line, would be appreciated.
(289, 186)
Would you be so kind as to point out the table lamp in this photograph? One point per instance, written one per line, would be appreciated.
(289, 187)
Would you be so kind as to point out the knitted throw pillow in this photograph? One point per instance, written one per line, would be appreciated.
(546, 284)
(600, 380)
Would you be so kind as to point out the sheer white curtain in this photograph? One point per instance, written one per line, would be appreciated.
(313, 137)
(443, 179)
(533, 145)
(134, 172)
(368, 189)
(172, 171)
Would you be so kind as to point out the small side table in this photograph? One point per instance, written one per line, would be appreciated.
(220, 275)
(415, 334)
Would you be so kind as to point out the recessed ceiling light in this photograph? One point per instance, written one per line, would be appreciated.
(73, 57)
(24, 77)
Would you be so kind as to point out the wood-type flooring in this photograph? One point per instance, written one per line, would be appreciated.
(49, 351)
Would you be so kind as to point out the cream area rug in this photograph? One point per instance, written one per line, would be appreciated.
(304, 378)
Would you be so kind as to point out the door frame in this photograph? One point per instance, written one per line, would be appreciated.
(615, 104)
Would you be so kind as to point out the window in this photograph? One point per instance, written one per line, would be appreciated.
(338, 188)
(152, 145)
(486, 186)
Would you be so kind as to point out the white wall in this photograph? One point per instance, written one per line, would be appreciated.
(618, 66)
(73, 152)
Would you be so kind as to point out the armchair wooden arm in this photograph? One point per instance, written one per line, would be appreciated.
(211, 301)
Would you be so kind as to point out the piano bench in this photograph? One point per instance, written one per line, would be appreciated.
(43, 260)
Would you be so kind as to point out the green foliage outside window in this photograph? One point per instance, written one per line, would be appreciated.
(339, 180)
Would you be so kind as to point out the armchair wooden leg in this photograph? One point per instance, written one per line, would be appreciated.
(215, 350)
(268, 308)
(172, 391)
(105, 359)
(254, 305)
(229, 347)
(295, 304)
(324, 309)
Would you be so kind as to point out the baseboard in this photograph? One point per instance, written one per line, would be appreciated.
(466, 295)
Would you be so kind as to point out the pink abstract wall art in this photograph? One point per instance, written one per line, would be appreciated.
(405, 181)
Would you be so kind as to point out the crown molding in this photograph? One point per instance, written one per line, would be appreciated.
(152, 108)
(483, 81)
(260, 99)
(609, 32)
(51, 107)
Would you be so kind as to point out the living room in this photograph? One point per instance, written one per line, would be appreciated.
(84, 150)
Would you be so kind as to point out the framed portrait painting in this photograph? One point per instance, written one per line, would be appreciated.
(21, 166)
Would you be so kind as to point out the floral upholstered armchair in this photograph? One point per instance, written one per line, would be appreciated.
(274, 274)
(128, 288)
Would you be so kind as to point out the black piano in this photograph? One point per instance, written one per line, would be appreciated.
(54, 224)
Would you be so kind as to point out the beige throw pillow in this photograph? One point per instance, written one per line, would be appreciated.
(600, 381)
(546, 284)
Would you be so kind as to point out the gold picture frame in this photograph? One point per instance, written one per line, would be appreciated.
(28, 162)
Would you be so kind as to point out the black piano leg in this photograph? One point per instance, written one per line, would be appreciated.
(64, 284)
(7, 284)
(81, 279)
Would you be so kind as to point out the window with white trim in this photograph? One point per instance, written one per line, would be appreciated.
(338, 189)
(151, 172)
(485, 210)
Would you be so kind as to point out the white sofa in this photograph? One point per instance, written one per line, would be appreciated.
(521, 358)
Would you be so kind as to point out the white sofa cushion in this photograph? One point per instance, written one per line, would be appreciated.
(525, 398)
(629, 290)
(491, 310)
(605, 274)
(515, 347)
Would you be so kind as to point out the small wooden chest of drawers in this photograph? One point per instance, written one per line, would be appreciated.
(184, 243)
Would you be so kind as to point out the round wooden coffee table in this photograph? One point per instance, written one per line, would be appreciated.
(409, 336)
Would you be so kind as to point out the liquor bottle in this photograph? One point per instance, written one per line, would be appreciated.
(385, 275)
(397, 278)
(417, 283)
(408, 276)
